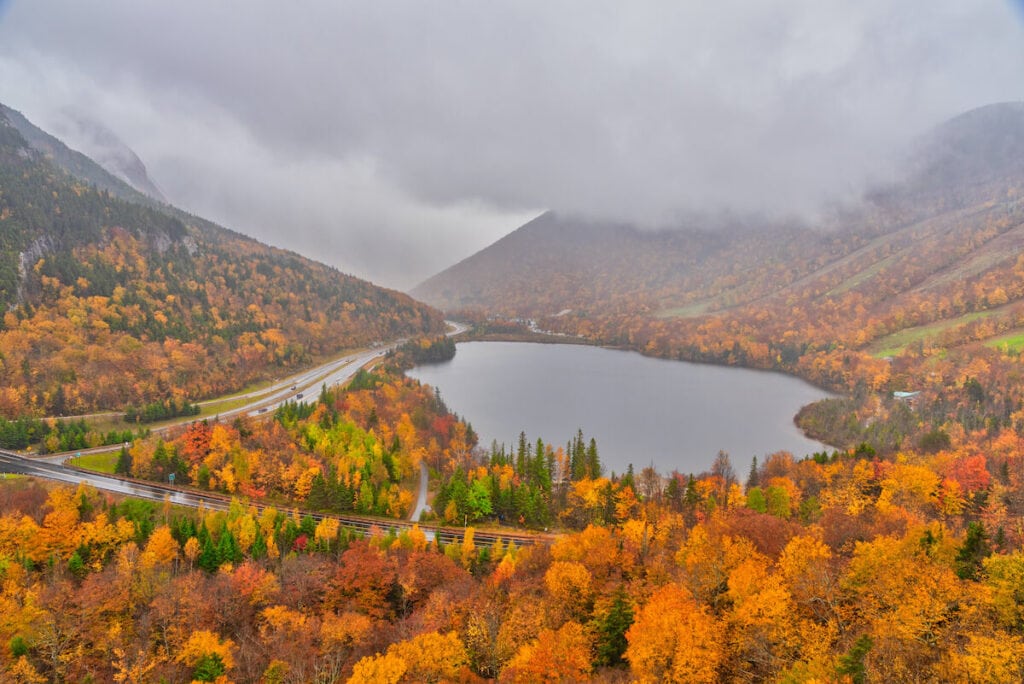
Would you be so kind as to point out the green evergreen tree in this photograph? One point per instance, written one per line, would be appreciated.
(209, 668)
(227, 550)
(124, 462)
(259, 545)
(851, 663)
(674, 493)
(975, 549)
(478, 499)
(593, 466)
(753, 478)
(208, 557)
(611, 630)
(76, 566)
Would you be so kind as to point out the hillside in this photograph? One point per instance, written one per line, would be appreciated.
(71, 161)
(104, 147)
(936, 246)
(112, 299)
(559, 262)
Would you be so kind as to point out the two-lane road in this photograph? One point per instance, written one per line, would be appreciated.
(13, 463)
(307, 384)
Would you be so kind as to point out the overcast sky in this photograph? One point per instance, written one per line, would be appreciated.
(392, 139)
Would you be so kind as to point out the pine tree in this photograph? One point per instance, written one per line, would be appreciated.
(593, 466)
(852, 662)
(124, 462)
(611, 630)
(975, 549)
(227, 548)
(208, 558)
(753, 479)
(259, 545)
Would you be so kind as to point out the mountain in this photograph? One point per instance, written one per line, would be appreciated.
(111, 298)
(71, 161)
(559, 262)
(932, 265)
(104, 147)
(954, 221)
(977, 148)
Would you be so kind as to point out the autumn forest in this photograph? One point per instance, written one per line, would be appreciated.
(895, 555)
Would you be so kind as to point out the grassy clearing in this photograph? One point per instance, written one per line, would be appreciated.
(101, 463)
(218, 407)
(862, 276)
(1011, 342)
(688, 311)
(893, 344)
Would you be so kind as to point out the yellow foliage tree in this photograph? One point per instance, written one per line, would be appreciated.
(561, 655)
(675, 639)
(569, 584)
(430, 657)
(161, 549)
(202, 644)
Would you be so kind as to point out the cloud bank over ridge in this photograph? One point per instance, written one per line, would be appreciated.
(392, 139)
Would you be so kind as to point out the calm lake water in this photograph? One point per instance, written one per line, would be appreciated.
(641, 410)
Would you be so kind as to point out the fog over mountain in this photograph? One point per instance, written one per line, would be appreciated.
(103, 146)
(392, 140)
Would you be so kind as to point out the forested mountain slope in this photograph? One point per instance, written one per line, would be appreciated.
(949, 231)
(110, 299)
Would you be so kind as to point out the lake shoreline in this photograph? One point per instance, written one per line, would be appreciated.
(528, 337)
(654, 409)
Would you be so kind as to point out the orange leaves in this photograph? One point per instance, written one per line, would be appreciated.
(595, 548)
(971, 473)
(996, 657)
(909, 486)
(256, 584)
(430, 657)
(569, 584)
(762, 615)
(561, 655)
(344, 631)
(246, 315)
(203, 643)
(282, 619)
(675, 639)
(707, 561)
(161, 549)
(194, 444)
(900, 593)
(59, 534)
(806, 567)
(363, 581)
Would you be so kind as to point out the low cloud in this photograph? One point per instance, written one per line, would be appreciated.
(392, 140)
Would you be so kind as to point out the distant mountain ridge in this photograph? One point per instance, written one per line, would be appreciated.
(976, 147)
(71, 161)
(110, 298)
(559, 262)
(104, 147)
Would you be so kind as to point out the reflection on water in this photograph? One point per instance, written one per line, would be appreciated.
(641, 410)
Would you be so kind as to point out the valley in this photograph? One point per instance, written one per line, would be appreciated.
(332, 518)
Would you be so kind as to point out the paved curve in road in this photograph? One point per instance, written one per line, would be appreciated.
(421, 499)
(292, 388)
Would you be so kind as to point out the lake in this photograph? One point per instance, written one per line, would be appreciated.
(641, 410)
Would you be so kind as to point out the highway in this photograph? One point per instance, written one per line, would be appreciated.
(298, 387)
(307, 383)
(13, 463)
